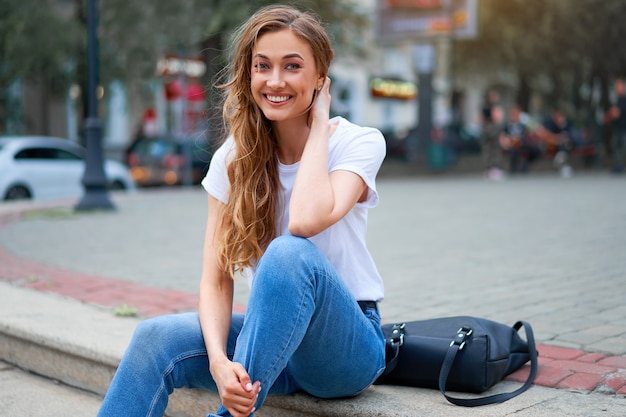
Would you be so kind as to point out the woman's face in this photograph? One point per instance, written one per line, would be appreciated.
(284, 75)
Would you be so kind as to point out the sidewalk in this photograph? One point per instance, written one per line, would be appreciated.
(541, 249)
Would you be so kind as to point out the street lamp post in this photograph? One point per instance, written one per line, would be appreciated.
(424, 61)
(96, 194)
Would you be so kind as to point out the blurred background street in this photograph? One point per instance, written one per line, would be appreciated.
(498, 85)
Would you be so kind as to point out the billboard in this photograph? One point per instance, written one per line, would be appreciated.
(419, 20)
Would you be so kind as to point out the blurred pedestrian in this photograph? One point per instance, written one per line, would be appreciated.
(492, 154)
(288, 195)
(561, 139)
(617, 117)
(520, 142)
(492, 99)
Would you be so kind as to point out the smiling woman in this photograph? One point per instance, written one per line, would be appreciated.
(289, 191)
(284, 79)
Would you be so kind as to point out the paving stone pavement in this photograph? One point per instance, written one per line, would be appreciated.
(52, 398)
(539, 248)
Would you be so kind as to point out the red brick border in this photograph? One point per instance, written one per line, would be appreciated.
(105, 292)
(574, 369)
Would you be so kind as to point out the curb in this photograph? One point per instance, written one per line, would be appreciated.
(84, 351)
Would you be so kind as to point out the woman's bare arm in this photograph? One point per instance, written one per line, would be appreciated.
(319, 199)
(237, 392)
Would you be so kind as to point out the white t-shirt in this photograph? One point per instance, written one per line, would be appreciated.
(352, 148)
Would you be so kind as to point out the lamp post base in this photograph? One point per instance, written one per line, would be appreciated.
(95, 200)
(94, 180)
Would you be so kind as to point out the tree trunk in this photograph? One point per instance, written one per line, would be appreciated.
(554, 100)
(44, 106)
(523, 92)
(211, 53)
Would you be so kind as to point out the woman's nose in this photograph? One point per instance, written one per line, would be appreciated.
(275, 80)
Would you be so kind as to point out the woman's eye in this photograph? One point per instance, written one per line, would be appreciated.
(292, 67)
(261, 66)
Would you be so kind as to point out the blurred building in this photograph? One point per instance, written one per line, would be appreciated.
(381, 88)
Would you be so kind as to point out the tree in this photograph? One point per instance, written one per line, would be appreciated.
(36, 43)
(134, 34)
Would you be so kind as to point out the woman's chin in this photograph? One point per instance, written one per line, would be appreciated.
(278, 116)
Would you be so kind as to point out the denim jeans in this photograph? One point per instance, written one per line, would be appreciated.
(303, 331)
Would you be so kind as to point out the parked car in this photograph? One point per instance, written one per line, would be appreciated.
(43, 167)
(168, 161)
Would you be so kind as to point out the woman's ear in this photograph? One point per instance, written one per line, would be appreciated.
(320, 81)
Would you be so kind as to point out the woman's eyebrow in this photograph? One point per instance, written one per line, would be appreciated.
(293, 55)
(288, 56)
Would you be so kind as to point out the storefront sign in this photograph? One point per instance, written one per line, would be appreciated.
(400, 20)
(393, 88)
(171, 65)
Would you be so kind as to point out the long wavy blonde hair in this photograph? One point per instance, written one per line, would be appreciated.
(249, 221)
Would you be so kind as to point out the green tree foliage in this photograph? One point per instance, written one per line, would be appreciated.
(35, 41)
(134, 34)
(35, 44)
(567, 41)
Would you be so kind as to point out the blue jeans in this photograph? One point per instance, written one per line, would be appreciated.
(303, 331)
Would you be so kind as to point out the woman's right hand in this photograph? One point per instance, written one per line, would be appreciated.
(237, 392)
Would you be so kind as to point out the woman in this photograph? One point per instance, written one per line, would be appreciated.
(287, 207)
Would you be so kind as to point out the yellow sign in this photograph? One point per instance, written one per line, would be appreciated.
(391, 88)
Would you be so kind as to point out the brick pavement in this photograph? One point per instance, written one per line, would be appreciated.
(559, 367)
(93, 289)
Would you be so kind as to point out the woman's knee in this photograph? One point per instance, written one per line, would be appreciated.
(167, 330)
(289, 253)
(287, 260)
(288, 247)
(152, 328)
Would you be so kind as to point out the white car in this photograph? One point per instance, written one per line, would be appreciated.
(43, 167)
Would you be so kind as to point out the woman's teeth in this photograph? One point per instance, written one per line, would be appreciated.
(277, 99)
